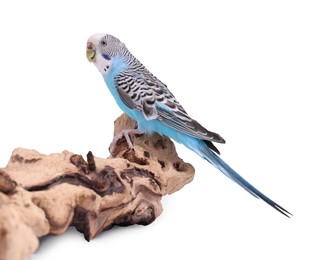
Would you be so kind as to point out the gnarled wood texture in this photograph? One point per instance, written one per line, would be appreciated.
(45, 194)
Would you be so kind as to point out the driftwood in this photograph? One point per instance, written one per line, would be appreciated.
(45, 194)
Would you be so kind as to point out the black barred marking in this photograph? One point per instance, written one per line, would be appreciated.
(138, 96)
(125, 87)
(158, 91)
(170, 104)
(149, 111)
(150, 101)
(135, 87)
(149, 82)
(130, 81)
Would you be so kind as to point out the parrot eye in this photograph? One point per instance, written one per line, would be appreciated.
(103, 42)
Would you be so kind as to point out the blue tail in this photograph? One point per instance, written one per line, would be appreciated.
(204, 151)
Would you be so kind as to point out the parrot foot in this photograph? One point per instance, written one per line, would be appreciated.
(126, 134)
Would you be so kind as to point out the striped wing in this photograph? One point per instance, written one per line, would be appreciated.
(146, 93)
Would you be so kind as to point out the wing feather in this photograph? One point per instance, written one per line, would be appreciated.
(141, 90)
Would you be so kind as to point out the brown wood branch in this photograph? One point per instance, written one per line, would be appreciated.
(45, 194)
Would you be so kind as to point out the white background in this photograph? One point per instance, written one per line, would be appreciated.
(254, 71)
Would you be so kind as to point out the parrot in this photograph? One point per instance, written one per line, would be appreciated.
(148, 101)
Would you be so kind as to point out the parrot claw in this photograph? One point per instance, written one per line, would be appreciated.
(126, 134)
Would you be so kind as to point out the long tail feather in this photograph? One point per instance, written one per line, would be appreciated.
(204, 151)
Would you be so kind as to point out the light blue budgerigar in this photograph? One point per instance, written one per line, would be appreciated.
(155, 109)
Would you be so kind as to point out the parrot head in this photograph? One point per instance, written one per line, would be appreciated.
(101, 49)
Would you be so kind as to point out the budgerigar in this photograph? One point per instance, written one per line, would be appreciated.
(155, 109)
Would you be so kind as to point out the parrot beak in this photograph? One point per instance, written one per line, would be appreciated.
(91, 52)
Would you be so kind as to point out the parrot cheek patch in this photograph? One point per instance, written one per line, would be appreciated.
(106, 57)
(103, 64)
